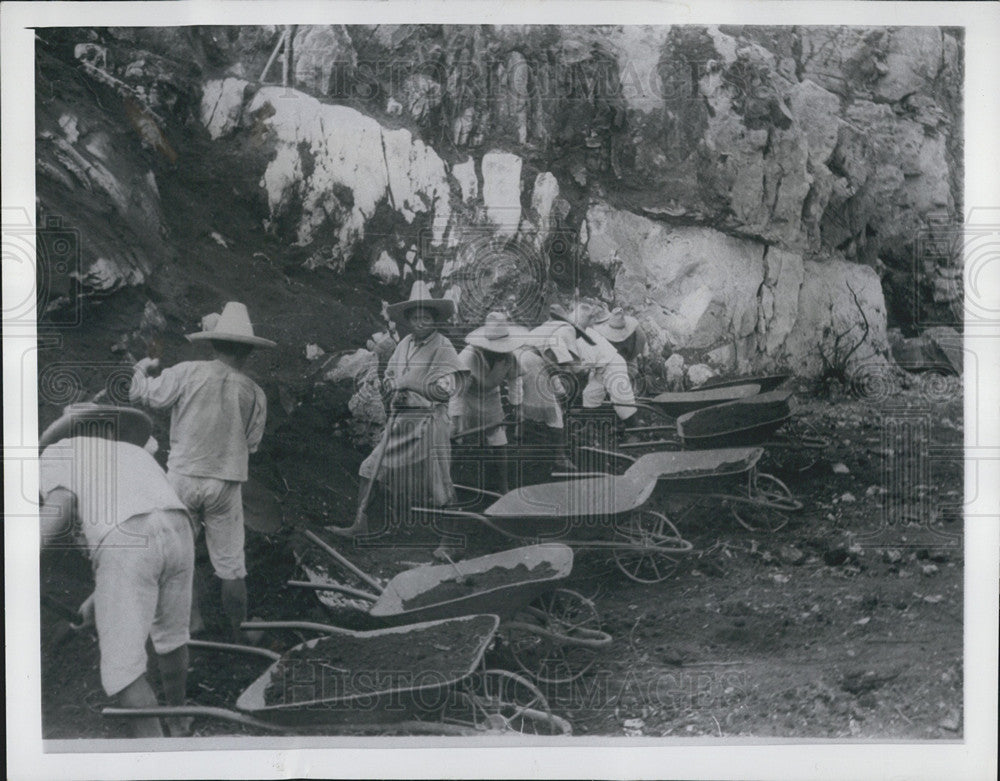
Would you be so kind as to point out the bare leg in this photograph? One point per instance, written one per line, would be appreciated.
(234, 605)
(360, 525)
(557, 439)
(139, 694)
(445, 549)
(173, 675)
(197, 589)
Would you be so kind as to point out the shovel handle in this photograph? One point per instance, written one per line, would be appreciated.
(333, 553)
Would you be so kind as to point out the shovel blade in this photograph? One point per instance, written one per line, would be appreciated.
(262, 512)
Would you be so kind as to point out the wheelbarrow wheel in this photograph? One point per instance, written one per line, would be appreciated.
(765, 509)
(502, 701)
(774, 493)
(649, 548)
(557, 637)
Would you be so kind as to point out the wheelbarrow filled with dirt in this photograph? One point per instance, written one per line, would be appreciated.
(668, 407)
(767, 382)
(424, 678)
(552, 633)
(754, 420)
(677, 403)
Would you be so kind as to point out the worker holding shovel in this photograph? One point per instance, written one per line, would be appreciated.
(413, 457)
(217, 417)
(103, 490)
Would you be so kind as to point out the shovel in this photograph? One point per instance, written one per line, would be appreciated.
(262, 512)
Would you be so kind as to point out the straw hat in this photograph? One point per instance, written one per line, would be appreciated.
(498, 335)
(557, 312)
(556, 336)
(124, 424)
(420, 297)
(616, 326)
(233, 325)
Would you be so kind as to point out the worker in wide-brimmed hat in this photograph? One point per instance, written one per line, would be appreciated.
(217, 416)
(102, 489)
(490, 362)
(413, 457)
(607, 376)
(547, 364)
(623, 332)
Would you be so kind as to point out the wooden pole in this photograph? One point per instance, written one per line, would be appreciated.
(310, 535)
(274, 54)
(286, 56)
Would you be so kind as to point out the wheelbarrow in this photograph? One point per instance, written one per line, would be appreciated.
(727, 475)
(675, 404)
(767, 382)
(754, 420)
(602, 512)
(425, 678)
(552, 633)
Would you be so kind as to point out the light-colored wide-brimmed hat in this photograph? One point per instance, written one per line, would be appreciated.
(421, 298)
(498, 334)
(233, 325)
(124, 424)
(557, 312)
(557, 336)
(616, 326)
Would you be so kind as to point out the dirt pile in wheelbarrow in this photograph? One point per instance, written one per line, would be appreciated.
(342, 666)
(456, 588)
(734, 416)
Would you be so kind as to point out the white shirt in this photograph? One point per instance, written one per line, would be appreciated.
(112, 482)
(217, 417)
(608, 375)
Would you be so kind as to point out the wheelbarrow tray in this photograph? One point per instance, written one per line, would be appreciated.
(603, 495)
(744, 422)
(503, 600)
(680, 467)
(577, 509)
(386, 691)
(674, 404)
(767, 382)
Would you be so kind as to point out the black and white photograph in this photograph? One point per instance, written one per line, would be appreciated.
(501, 377)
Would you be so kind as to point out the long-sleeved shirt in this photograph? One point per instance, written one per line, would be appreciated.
(608, 376)
(537, 389)
(478, 403)
(217, 416)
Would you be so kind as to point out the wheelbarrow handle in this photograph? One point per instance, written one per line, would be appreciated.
(224, 714)
(479, 429)
(309, 626)
(193, 710)
(211, 645)
(581, 637)
(353, 592)
(333, 553)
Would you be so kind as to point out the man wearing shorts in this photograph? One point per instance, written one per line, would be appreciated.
(217, 417)
(103, 491)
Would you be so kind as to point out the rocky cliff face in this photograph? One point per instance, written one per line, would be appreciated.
(757, 196)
